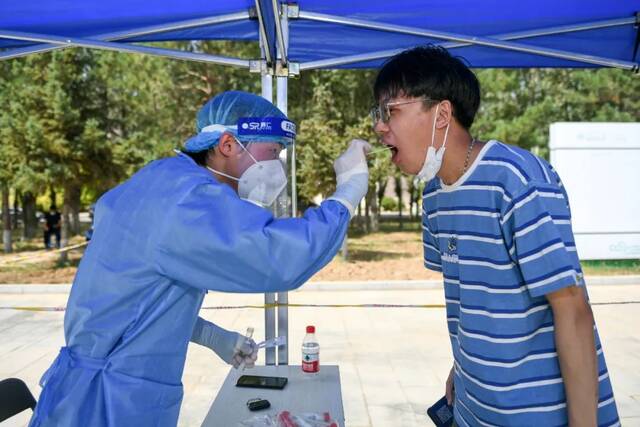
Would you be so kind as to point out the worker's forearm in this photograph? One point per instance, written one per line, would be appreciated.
(578, 362)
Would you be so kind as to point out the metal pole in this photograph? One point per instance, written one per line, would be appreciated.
(269, 298)
(282, 89)
(281, 22)
(263, 36)
(371, 56)
(139, 32)
(475, 40)
(121, 47)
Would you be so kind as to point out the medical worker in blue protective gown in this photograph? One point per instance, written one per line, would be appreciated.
(179, 227)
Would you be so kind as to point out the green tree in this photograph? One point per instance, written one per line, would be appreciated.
(194, 83)
(519, 105)
(15, 126)
(331, 108)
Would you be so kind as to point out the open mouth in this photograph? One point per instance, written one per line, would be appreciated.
(393, 149)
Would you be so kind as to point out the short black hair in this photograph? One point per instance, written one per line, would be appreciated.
(432, 72)
(200, 157)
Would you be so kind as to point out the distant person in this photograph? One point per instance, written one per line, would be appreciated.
(89, 233)
(497, 224)
(52, 226)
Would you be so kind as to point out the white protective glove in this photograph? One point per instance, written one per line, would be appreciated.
(352, 175)
(231, 347)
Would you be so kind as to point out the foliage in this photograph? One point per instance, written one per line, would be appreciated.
(79, 122)
(331, 108)
(519, 105)
(389, 204)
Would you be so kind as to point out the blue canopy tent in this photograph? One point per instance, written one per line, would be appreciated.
(351, 34)
(313, 34)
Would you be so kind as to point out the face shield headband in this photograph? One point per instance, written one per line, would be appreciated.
(270, 129)
(248, 129)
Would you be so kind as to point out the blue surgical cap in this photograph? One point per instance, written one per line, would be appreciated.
(250, 118)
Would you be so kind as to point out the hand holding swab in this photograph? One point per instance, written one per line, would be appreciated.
(247, 337)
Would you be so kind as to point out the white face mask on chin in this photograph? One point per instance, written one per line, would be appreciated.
(262, 182)
(433, 159)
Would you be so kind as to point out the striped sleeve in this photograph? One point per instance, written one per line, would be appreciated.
(537, 229)
(431, 249)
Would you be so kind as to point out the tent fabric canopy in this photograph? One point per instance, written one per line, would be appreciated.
(312, 39)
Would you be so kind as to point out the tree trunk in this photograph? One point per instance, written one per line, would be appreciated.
(414, 191)
(6, 219)
(73, 200)
(366, 223)
(344, 249)
(359, 220)
(64, 232)
(16, 206)
(398, 181)
(382, 186)
(52, 196)
(29, 218)
(372, 202)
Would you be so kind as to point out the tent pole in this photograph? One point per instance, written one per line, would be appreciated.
(263, 35)
(281, 22)
(282, 102)
(122, 47)
(401, 29)
(269, 298)
(139, 32)
(474, 40)
(382, 54)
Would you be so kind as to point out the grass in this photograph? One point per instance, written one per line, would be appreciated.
(390, 253)
(31, 263)
(610, 267)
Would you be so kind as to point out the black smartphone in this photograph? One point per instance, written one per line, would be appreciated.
(441, 413)
(257, 381)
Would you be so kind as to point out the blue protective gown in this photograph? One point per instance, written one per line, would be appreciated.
(161, 240)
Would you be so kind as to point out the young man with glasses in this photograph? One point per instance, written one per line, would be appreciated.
(497, 224)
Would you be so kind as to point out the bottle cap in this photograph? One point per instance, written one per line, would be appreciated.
(311, 329)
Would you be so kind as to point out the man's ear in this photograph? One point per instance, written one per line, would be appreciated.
(227, 145)
(445, 114)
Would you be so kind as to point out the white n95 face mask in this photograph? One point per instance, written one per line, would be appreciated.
(433, 159)
(262, 182)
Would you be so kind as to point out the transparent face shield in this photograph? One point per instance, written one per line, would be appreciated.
(282, 206)
(269, 167)
(285, 202)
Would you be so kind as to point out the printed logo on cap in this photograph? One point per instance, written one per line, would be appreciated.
(288, 126)
(266, 126)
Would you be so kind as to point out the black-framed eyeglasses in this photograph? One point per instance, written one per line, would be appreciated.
(383, 112)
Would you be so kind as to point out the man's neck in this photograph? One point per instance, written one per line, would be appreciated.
(457, 157)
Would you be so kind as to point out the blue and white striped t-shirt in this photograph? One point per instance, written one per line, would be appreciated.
(501, 235)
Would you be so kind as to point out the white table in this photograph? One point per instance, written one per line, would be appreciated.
(319, 394)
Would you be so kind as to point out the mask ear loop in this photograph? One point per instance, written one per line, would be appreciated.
(433, 129)
(229, 176)
(446, 133)
(223, 174)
